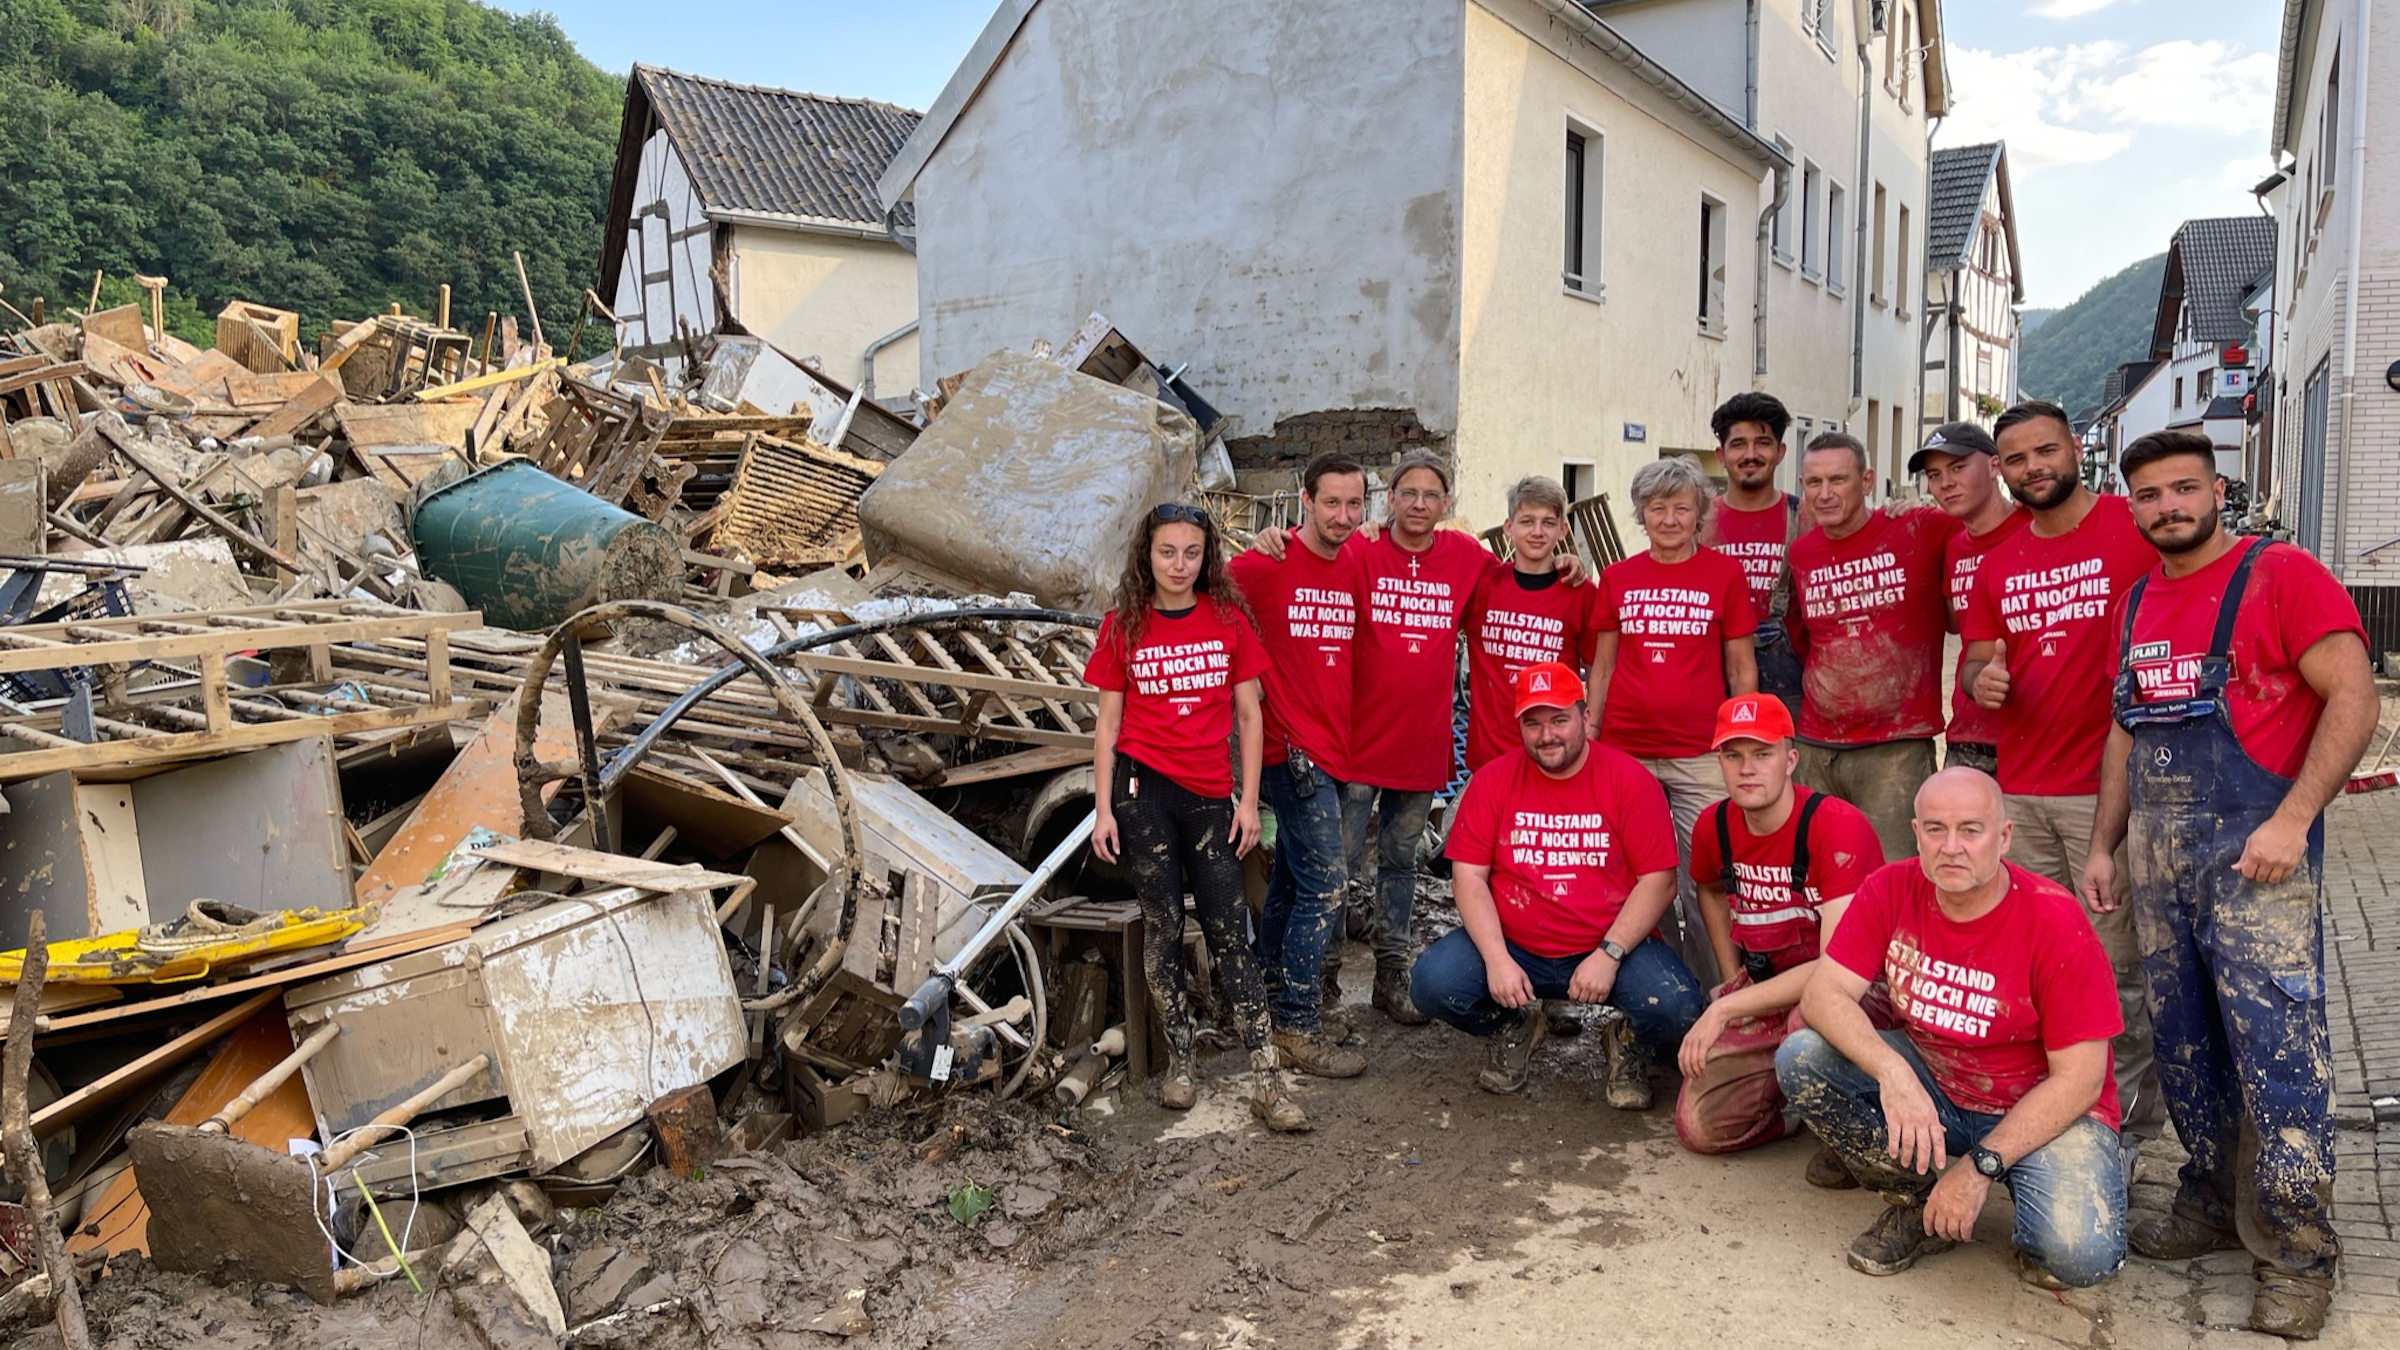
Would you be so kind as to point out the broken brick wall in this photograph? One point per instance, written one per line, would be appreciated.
(1375, 437)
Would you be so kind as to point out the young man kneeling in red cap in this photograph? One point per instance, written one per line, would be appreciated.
(1776, 865)
(1562, 861)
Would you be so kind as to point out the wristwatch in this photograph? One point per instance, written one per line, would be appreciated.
(1612, 951)
(1987, 1163)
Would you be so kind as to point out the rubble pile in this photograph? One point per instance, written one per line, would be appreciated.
(448, 781)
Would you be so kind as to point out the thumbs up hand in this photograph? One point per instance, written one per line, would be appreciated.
(1991, 682)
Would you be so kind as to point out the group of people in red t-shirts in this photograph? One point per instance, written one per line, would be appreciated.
(1704, 813)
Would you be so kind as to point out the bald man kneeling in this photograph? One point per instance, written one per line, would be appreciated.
(2000, 1071)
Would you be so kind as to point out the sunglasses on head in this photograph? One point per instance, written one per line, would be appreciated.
(1168, 513)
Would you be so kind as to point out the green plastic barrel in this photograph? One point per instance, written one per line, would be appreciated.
(529, 550)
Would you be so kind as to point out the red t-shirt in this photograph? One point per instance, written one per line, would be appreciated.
(1985, 1002)
(1756, 540)
(1408, 656)
(2050, 599)
(1672, 622)
(1970, 722)
(1307, 610)
(1515, 621)
(1564, 852)
(1843, 852)
(1178, 687)
(1867, 620)
(2290, 604)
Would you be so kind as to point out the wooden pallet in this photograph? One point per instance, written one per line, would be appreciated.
(793, 504)
(852, 1023)
(163, 690)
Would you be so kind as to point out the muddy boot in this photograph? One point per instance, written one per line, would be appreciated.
(1179, 1087)
(2178, 1237)
(2031, 1272)
(1627, 1076)
(1391, 995)
(1317, 1053)
(2290, 1306)
(1271, 1098)
(1509, 1062)
(1896, 1241)
(1827, 1171)
(1563, 1017)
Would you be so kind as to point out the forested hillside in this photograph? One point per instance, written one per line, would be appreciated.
(329, 156)
(2066, 358)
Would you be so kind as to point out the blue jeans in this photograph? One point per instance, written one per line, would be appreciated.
(1654, 989)
(1399, 821)
(1304, 890)
(2069, 1193)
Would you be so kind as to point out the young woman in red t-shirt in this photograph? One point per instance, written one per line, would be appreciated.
(1177, 665)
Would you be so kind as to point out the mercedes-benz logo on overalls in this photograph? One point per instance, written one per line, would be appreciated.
(2164, 757)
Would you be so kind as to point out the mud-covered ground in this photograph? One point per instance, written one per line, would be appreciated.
(1421, 1212)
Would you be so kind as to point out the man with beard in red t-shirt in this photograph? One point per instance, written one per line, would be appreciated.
(1999, 1072)
(2038, 638)
(1562, 860)
(2243, 701)
(1960, 465)
(1867, 619)
(1755, 524)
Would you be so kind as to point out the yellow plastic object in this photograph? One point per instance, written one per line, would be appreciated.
(120, 958)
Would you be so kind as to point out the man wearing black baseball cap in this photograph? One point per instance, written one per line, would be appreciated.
(1961, 465)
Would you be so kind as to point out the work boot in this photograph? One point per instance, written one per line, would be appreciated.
(1179, 1087)
(1510, 1060)
(2290, 1306)
(1627, 1076)
(1271, 1098)
(1564, 1019)
(1896, 1240)
(1391, 995)
(2177, 1237)
(1827, 1171)
(1315, 1052)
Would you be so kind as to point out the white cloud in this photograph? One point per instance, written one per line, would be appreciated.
(2068, 9)
(2086, 102)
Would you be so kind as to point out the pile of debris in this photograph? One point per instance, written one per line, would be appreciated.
(420, 823)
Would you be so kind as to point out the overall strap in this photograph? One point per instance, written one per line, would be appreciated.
(1725, 844)
(2229, 607)
(2133, 601)
(1808, 811)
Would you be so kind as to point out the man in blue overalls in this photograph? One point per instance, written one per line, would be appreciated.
(2243, 700)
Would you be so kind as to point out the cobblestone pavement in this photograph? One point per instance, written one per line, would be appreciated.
(2362, 943)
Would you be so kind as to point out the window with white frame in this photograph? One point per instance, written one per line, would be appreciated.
(1812, 246)
(1712, 265)
(1901, 267)
(1580, 269)
(1875, 270)
(1782, 227)
(1837, 213)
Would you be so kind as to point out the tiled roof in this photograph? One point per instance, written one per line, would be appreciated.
(1961, 175)
(777, 151)
(2223, 405)
(2126, 378)
(2211, 265)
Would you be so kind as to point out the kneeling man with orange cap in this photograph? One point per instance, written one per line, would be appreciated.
(1562, 861)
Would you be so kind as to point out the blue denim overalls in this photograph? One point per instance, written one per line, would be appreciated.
(2236, 968)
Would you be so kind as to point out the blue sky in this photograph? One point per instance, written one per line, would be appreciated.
(2123, 117)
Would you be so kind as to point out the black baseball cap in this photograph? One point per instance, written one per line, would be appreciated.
(1954, 438)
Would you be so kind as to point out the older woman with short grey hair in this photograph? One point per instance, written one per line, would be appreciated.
(1674, 626)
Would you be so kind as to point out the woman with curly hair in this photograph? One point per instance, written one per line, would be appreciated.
(1177, 665)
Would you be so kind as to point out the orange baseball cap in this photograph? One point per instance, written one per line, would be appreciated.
(1751, 717)
(1547, 684)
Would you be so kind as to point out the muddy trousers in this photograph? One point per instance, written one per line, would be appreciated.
(1171, 838)
(1654, 989)
(1389, 825)
(2237, 979)
(1303, 911)
(2069, 1193)
(1693, 784)
(2052, 837)
(1880, 780)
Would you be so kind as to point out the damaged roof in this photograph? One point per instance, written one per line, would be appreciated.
(760, 155)
(2211, 265)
